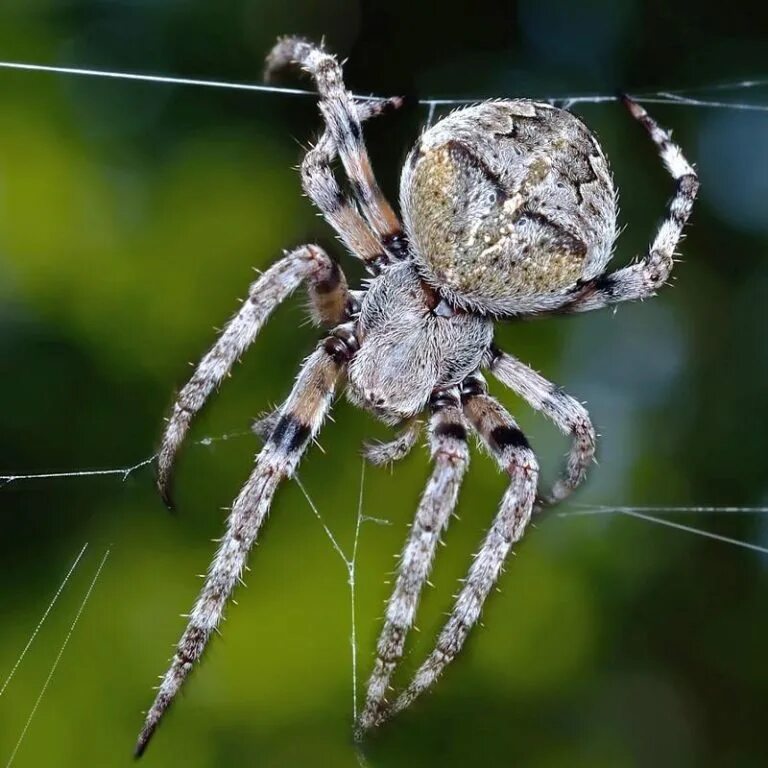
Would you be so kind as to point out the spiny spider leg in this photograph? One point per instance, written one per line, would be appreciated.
(320, 185)
(338, 109)
(508, 445)
(642, 280)
(328, 293)
(397, 448)
(330, 305)
(568, 414)
(310, 262)
(300, 420)
(450, 454)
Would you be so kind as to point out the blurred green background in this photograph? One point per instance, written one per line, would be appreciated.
(130, 218)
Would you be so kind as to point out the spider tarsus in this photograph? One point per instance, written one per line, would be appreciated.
(143, 741)
(634, 108)
(368, 722)
(164, 488)
(280, 56)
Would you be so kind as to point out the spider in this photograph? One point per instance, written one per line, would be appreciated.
(509, 209)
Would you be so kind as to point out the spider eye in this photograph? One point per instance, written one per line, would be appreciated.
(506, 201)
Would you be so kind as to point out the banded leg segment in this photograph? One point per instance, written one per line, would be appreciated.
(450, 454)
(320, 185)
(330, 301)
(338, 109)
(643, 279)
(309, 262)
(567, 413)
(508, 445)
(300, 420)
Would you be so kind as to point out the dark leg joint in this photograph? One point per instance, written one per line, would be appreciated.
(604, 283)
(341, 345)
(443, 398)
(330, 282)
(352, 308)
(397, 244)
(473, 386)
(289, 434)
(355, 130)
(689, 185)
(360, 191)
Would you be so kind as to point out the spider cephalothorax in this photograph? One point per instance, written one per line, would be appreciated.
(509, 209)
(407, 348)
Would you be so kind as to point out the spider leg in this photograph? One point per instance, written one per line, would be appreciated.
(327, 286)
(450, 454)
(396, 449)
(264, 424)
(567, 413)
(300, 419)
(343, 123)
(643, 279)
(330, 301)
(320, 185)
(509, 447)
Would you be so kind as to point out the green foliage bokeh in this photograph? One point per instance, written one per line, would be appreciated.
(131, 216)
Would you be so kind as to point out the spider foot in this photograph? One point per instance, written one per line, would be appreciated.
(366, 726)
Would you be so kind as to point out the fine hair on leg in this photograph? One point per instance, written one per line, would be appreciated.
(341, 118)
(508, 445)
(320, 185)
(450, 455)
(396, 449)
(300, 420)
(642, 280)
(567, 413)
(309, 262)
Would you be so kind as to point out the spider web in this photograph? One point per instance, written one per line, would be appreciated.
(62, 647)
(348, 556)
(716, 96)
(690, 97)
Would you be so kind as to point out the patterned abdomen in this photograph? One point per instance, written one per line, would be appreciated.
(507, 204)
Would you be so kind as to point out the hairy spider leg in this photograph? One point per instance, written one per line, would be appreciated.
(341, 118)
(567, 413)
(509, 447)
(643, 279)
(397, 448)
(309, 262)
(300, 420)
(319, 184)
(450, 454)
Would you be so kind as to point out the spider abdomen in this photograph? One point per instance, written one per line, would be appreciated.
(507, 205)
